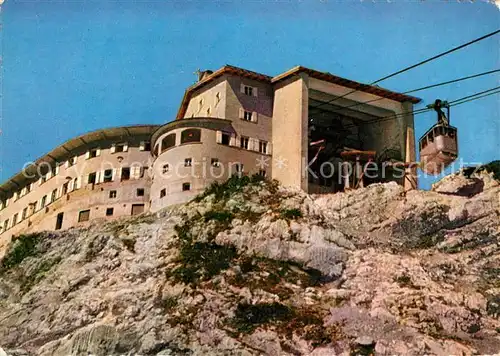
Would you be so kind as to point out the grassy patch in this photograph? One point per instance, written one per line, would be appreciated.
(201, 261)
(492, 167)
(233, 185)
(248, 317)
(22, 247)
(35, 276)
(291, 214)
(219, 216)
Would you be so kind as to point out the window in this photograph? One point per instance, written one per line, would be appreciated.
(186, 187)
(108, 176)
(125, 173)
(237, 168)
(64, 189)
(147, 146)
(208, 111)
(72, 161)
(84, 215)
(137, 209)
(53, 196)
(109, 211)
(143, 171)
(28, 188)
(165, 168)
(262, 172)
(200, 104)
(6, 224)
(14, 219)
(93, 153)
(262, 146)
(112, 194)
(140, 192)
(244, 142)
(215, 162)
(59, 221)
(25, 213)
(167, 142)
(217, 98)
(248, 90)
(226, 139)
(43, 179)
(92, 178)
(75, 184)
(188, 162)
(120, 147)
(44, 200)
(247, 116)
(191, 135)
(163, 192)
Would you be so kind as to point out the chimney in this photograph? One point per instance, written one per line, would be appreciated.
(203, 74)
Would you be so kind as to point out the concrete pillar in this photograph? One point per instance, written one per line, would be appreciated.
(289, 134)
(411, 181)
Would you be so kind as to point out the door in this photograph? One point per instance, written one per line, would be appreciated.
(137, 209)
(59, 221)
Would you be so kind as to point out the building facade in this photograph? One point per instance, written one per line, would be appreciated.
(232, 121)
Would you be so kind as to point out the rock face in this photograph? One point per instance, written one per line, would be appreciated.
(251, 268)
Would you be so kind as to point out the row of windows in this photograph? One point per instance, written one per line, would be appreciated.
(92, 153)
(185, 187)
(109, 175)
(84, 215)
(44, 203)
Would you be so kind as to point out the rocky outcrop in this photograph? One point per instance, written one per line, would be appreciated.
(252, 268)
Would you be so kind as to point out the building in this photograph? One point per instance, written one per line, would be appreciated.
(232, 121)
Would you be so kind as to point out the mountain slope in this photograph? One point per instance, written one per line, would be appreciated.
(252, 268)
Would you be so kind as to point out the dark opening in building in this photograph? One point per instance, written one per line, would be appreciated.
(125, 173)
(191, 135)
(109, 211)
(167, 142)
(140, 192)
(84, 215)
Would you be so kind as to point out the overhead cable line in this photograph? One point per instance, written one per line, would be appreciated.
(415, 65)
(422, 88)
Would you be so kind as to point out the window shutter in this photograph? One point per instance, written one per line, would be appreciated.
(254, 91)
(49, 175)
(142, 146)
(66, 164)
(254, 116)
(232, 141)
(56, 170)
(125, 147)
(75, 158)
(242, 113)
(79, 182)
(98, 152)
(71, 186)
(135, 172)
(218, 136)
(113, 177)
(113, 148)
(98, 177)
(242, 88)
(268, 148)
(87, 155)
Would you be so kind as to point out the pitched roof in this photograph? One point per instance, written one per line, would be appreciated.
(328, 77)
(228, 69)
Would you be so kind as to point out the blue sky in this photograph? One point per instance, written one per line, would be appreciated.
(75, 66)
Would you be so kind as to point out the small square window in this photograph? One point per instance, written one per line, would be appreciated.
(247, 116)
(112, 194)
(215, 162)
(163, 192)
(140, 192)
(244, 142)
(108, 175)
(125, 173)
(165, 168)
(188, 162)
(263, 147)
(93, 153)
(120, 147)
(186, 186)
(109, 211)
(84, 215)
(248, 90)
(92, 178)
(226, 139)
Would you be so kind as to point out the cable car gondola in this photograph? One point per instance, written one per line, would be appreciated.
(439, 145)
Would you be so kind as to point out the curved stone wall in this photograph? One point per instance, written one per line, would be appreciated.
(107, 177)
(172, 173)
